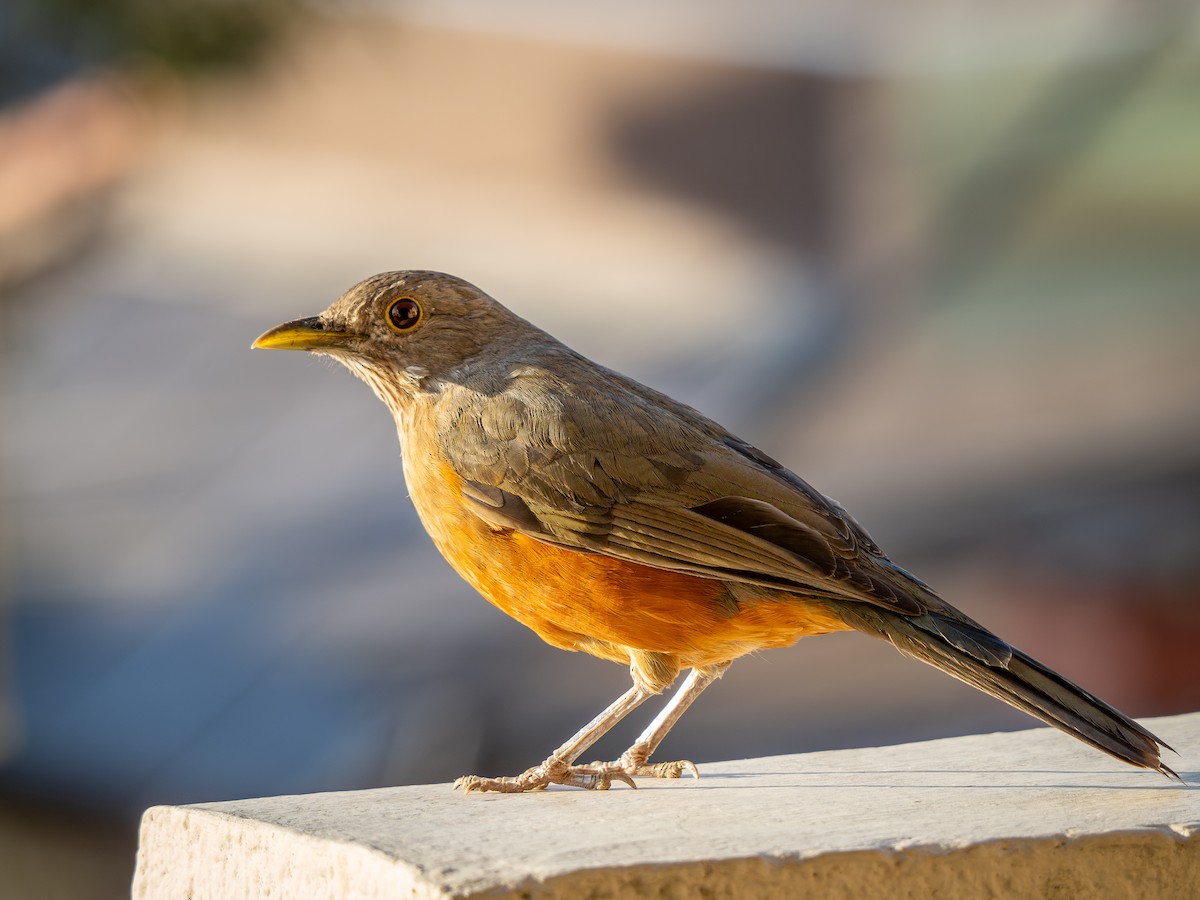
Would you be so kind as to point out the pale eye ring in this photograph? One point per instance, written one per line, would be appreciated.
(404, 314)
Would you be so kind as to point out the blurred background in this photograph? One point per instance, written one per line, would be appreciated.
(941, 258)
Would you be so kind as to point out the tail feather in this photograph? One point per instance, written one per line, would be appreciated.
(1021, 681)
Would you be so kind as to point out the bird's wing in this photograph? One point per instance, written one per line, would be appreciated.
(620, 472)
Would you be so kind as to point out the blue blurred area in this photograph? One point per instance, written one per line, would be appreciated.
(124, 718)
(943, 266)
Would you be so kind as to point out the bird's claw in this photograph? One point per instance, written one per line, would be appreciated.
(552, 771)
(673, 769)
(597, 776)
(633, 766)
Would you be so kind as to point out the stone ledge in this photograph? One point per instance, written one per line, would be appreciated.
(1030, 813)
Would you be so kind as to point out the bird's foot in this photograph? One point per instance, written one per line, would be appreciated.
(634, 763)
(674, 769)
(552, 771)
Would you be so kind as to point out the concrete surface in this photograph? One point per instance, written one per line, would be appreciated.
(1028, 814)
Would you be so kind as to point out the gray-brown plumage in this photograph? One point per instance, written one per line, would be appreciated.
(612, 519)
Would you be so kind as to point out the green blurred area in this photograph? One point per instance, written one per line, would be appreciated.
(189, 35)
(1066, 195)
(44, 40)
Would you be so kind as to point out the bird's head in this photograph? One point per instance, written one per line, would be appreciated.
(405, 332)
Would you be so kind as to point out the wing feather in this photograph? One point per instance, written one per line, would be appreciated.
(662, 486)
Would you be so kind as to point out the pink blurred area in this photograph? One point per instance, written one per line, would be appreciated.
(940, 260)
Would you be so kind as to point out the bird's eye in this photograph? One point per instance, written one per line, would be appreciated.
(404, 314)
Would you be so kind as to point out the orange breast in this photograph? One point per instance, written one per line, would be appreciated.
(590, 602)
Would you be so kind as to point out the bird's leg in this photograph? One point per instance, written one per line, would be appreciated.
(557, 768)
(635, 760)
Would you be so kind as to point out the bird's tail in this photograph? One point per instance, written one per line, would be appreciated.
(960, 647)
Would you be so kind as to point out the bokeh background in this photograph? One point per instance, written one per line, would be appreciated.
(943, 258)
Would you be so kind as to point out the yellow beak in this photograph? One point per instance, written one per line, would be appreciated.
(304, 334)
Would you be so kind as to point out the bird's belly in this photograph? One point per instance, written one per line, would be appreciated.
(602, 605)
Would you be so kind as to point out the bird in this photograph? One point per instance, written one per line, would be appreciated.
(613, 520)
